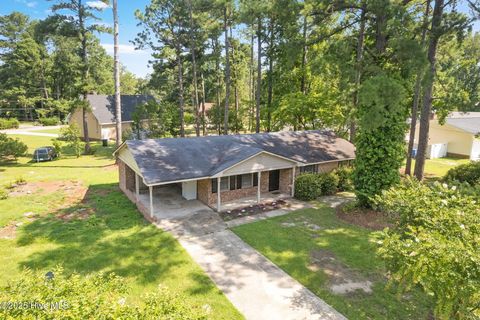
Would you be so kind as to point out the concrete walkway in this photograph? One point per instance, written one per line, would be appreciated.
(255, 286)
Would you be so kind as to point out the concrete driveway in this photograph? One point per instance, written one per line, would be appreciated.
(255, 286)
(32, 131)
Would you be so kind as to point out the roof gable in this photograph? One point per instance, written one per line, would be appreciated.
(103, 106)
(470, 125)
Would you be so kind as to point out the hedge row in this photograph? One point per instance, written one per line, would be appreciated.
(50, 121)
(11, 123)
(309, 186)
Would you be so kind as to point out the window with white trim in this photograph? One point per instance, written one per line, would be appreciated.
(247, 180)
(310, 169)
(225, 183)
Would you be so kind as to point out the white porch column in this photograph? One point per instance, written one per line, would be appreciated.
(137, 186)
(293, 181)
(219, 198)
(150, 188)
(259, 187)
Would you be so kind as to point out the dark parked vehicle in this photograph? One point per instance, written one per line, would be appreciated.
(44, 154)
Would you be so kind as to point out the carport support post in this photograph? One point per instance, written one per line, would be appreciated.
(219, 198)
(259, 187)
(293, 181)
(137, 186)
(150, 188)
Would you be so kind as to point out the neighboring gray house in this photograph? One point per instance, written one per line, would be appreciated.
(219, 169)
(101, 119)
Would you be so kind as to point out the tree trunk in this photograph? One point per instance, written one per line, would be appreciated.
(252, 85)
(304, 57)
(358, 71)
(416, 97)
(116, 75)
(270, 75)
(194, 71)
(217, 96)
(237, 126)
(259, 74)
(204, 131)
(84, 58)
(427, 96)
(227, 71)
(180, 92)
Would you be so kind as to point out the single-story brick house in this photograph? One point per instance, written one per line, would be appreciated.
(101, 117)
(219, 169)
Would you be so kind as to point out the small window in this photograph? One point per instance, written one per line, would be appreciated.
(247, 180)
(309, 168)
(255, 179)
(214, 185)
(225, 183)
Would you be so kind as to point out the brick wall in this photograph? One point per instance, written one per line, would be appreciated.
(286, 181)
(327, 167)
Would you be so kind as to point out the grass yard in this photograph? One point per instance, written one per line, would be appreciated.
(56, 131)
(323, 252)
(86, 224)
(439, 167)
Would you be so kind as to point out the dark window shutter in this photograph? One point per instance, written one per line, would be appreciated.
(232, 183)
(239, 182)
(255, 179)
(214, 185)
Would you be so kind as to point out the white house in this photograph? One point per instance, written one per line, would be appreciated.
(458, 137)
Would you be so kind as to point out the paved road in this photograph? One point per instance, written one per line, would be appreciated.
(31, 131)
(255, 286)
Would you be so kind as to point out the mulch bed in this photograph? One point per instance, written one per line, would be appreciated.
(367, 218)
(253, 209)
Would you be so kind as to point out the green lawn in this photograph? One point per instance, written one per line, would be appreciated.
(115, 238)
(439, 167)
(294, 248)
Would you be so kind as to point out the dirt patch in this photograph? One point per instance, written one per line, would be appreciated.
(77, 214)
(8, 232)
(341, 279)
(367, 218)
(73, 189)
(254, 209)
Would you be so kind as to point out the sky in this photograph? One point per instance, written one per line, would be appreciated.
(134, 60)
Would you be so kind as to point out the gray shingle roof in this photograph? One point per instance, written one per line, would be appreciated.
(103, 106)
(171, 159)
(471, 125)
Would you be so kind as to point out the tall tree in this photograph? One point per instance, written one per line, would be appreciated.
(227, 67)
(116, 72)
(78, 22)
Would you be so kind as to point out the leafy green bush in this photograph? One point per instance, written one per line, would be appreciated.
(95, 296)
(328, 182)
(11, 148)
(434, 245)
(11, 123)
(344, 175)
(309, 186)
(57, 145)
(468, 172)
(71, 135)
(49, 121)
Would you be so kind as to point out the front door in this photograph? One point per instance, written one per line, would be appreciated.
(273, 180)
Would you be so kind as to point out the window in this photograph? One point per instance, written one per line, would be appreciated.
(311, 169)
(247, 180)
(224, 184)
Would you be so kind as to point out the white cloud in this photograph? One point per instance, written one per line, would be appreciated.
(97, 5)
(124, 49)
(31, 4)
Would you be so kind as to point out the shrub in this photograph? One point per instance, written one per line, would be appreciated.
(95, 296)
(71, 135)
(11, 123)
(49, 121)
(328, 183)
(468, 172)
(57, 145)
(307, 186)
(11, 148)
(434, 245)
(344, 175)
